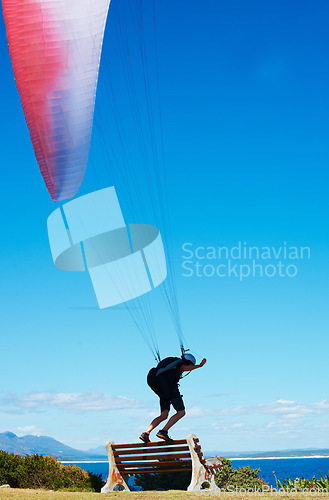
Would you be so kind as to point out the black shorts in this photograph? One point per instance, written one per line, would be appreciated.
(169, 395)
(175, 399)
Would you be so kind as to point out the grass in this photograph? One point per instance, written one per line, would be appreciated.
(22, 494)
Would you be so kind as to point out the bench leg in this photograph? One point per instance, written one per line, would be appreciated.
(115, 478)
(201, 479)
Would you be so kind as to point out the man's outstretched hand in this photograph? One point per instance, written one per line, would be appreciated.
(189, 368)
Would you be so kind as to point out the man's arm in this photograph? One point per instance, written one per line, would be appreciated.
(188, 368)
(171, 366)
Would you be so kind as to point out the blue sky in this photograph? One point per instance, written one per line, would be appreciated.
(244, 109)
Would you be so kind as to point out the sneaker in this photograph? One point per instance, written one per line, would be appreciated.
(144, 437)
(164, 435)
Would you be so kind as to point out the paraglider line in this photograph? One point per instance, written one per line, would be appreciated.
(83, 255)
(148, 271)
(66, 225)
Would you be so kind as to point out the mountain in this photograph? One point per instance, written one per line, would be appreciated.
(100, 450)
(44, 445)
(304, 452)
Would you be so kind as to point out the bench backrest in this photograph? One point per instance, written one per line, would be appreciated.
(163, 456)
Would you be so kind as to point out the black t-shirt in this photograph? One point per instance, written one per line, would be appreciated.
(173, 373)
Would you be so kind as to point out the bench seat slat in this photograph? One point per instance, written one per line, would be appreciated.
(148, 445)
(175, 456)
(157, 464)
(155, 471)
(124, 459)
(144, 451)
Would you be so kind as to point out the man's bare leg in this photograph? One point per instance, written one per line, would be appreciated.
(158, 420)
(180, 414)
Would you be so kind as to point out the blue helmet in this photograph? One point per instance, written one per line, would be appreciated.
(190, 358)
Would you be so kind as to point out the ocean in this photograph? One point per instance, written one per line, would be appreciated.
(283, 467)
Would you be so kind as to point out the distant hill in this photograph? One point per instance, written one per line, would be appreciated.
(100, 450)
(44, 445)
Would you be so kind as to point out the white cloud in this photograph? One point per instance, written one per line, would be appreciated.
(195, 411)
(152, 414)
(323, 406)
(28, 429)
(182, 429)
(76, 402)
(281, 408)
(285, 401)
(282, 424)
(289, 428)
(225, 426)
(231, 412)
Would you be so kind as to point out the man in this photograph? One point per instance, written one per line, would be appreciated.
(163, 380)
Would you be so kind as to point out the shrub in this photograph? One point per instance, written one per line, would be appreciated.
(38, 471)
(323, 482)
(243, 478)
(302, 484)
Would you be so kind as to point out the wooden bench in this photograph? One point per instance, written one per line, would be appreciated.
(126, 460)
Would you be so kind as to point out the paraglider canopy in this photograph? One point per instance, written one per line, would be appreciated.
(55, 48)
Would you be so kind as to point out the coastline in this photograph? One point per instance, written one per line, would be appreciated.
(278, 458)
(235, 458)
(83, 461)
